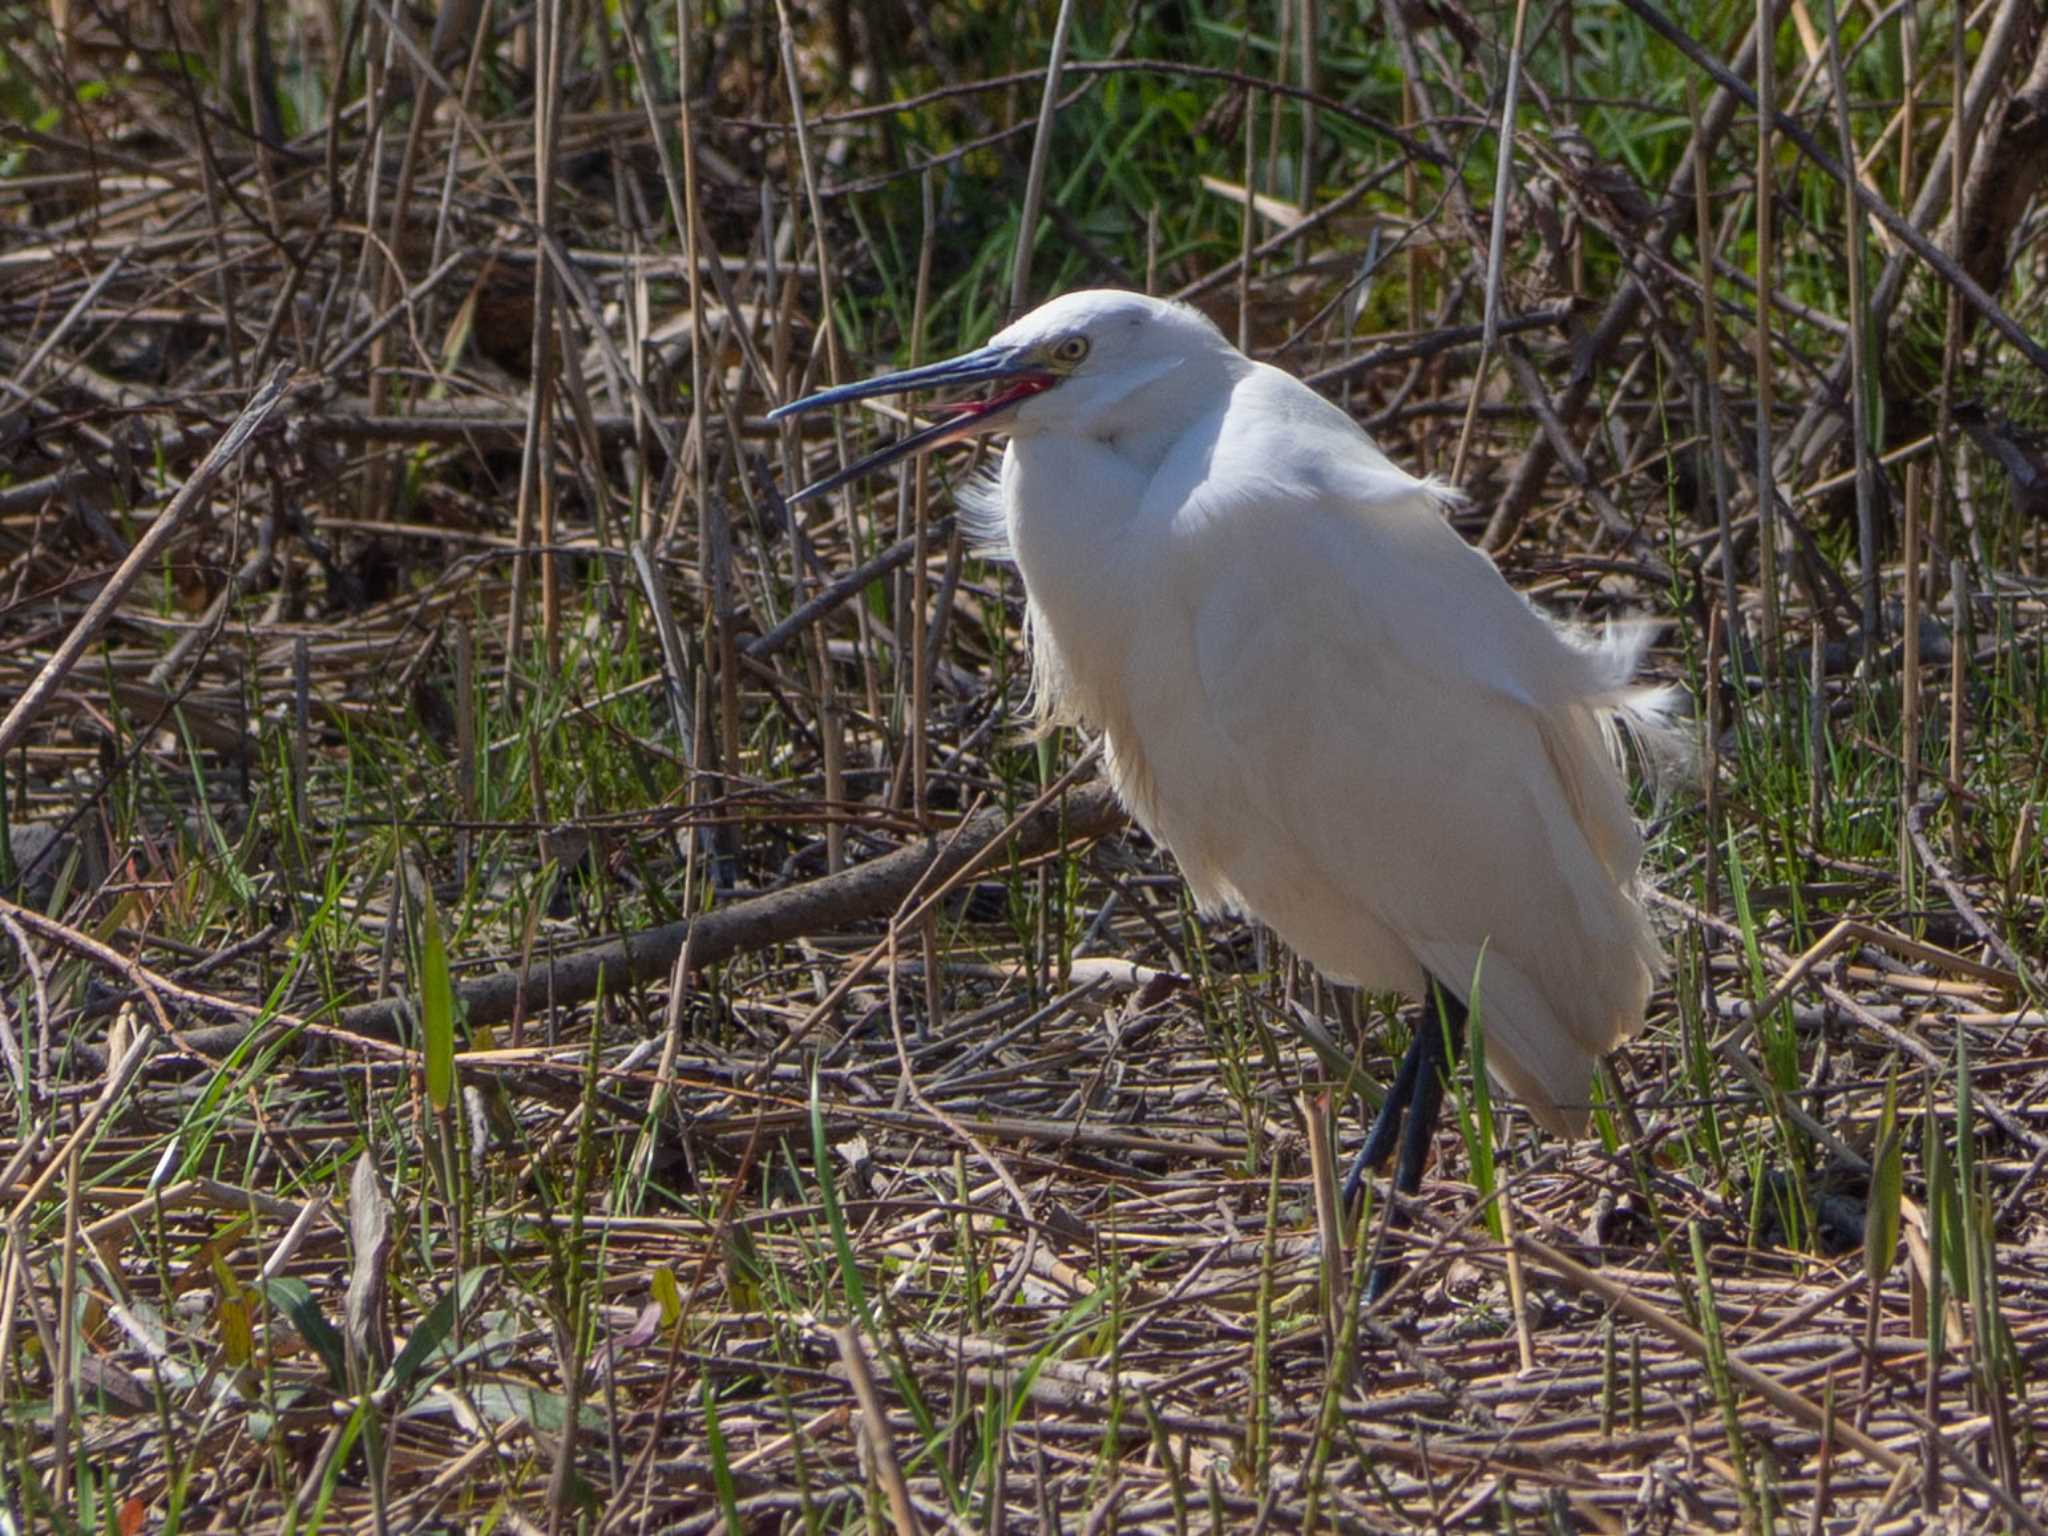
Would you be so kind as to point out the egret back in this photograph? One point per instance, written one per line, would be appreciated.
(1342, 720)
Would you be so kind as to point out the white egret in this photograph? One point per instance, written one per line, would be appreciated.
(1336, 713)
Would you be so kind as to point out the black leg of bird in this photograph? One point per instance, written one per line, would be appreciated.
(1414, 1101)
(1443, 1015)
(1414, 1098)
(1386, 1125)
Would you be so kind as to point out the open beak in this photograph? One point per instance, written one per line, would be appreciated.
(1015, 380)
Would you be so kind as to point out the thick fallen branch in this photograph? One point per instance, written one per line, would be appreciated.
(861, 894)
(864, 893)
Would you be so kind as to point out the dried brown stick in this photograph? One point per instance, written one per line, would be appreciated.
(1895, 223)
(1766, 1386)
(1334, 106)
(141, 558)
(1442, 339)
(451, 421)
(1902, 1040)
(842, 588)
(2004, 177)
(1941, 195)
(1940, 1437)
(874, 1422)
(1619, 317)
(1820, 422)
(1916, 827)
(1538, 399)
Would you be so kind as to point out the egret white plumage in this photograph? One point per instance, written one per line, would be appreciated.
(1337, 714)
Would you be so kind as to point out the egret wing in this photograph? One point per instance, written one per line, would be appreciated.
(1419, 778)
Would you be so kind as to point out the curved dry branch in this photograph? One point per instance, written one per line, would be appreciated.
(861, 894)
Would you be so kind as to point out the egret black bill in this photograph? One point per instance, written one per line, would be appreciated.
(1002, 366)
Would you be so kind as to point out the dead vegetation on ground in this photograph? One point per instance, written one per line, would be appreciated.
(544, 991)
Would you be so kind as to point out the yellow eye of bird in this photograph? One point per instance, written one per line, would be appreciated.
(1072, 350)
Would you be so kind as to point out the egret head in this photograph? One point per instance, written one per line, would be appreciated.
(1097, 362)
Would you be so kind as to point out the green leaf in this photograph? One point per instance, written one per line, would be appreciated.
(1477, 1123)
(437, 1007)
(294, 1298)
(1887, 1184)
(667, 1294)
(721, 1464)
(237, 1336)
(835, 1219)
(508, 1402)
(433, 1332)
